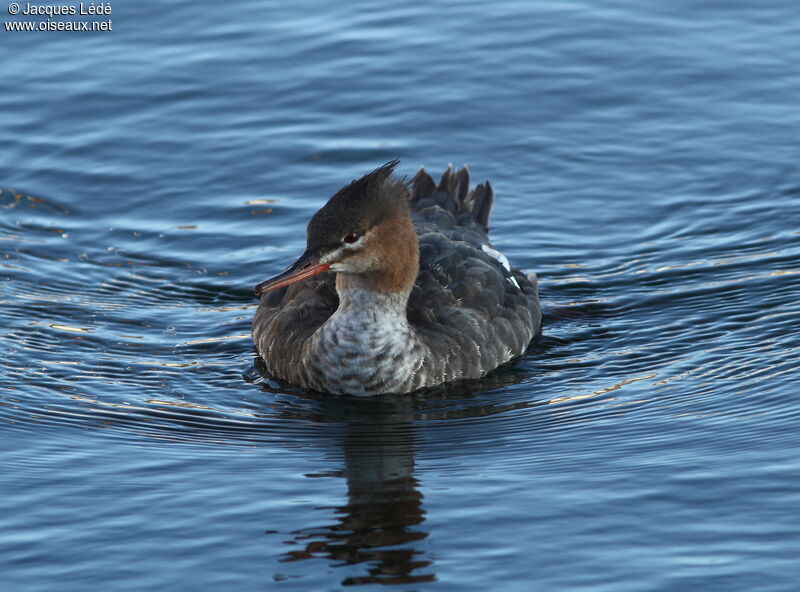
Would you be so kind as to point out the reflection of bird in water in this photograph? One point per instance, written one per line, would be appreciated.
(420, 297)
(383, 511)
(382, 524)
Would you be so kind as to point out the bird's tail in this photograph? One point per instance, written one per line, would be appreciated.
(453, 194)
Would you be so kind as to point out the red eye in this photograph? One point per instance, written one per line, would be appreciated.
(350, 237)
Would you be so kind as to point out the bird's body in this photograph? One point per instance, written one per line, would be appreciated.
(418, 298)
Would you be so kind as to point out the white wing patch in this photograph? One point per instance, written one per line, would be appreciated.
(498, 256)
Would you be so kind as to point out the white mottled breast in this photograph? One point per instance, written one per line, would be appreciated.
(366, 347)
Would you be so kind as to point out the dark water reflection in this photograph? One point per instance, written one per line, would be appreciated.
(384, 515)
(384, 518)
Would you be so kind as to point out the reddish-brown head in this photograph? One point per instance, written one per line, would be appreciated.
(364, 230)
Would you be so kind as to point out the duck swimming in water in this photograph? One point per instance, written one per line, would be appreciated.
(398, 289)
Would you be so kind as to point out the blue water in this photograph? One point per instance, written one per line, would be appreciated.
(646, 163)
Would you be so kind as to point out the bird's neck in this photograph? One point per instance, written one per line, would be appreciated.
(357, 293)
(372, 319)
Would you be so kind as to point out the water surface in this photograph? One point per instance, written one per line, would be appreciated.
(645, 161)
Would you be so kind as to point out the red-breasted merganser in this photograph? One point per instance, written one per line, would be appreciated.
(419, 298)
